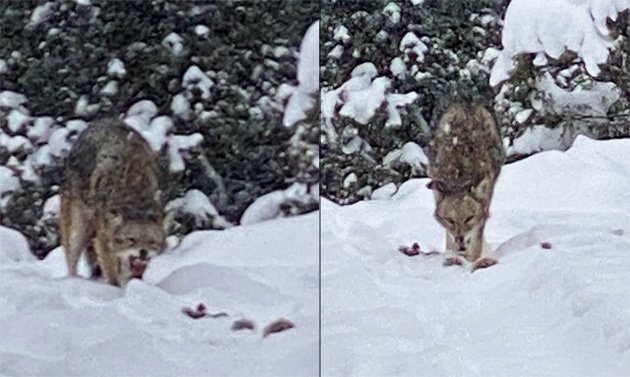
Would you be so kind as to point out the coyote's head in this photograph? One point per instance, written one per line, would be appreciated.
(134, 243)
(462, 213)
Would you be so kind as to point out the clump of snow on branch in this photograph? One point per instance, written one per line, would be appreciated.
(553, 26)
(363, 95)
(593, 101)
(270, 206)
(301, 99)
(196, 203)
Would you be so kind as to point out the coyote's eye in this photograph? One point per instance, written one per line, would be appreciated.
(450, 221)
(469, 219)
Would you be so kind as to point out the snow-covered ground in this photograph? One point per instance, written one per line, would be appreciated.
(563, 311)
(52, 325)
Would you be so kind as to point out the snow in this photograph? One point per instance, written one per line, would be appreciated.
(361, 97)
(116, 68)
(110, 89)
(177, 143)
(557, 312)
(58, 142)
(308, 62)
(364, 69)
(539, 138)
(410, 43)
(194, 77)
(156, 134)
(362, 104)
(351, 179)
(174, 44)
(384, 192)
(139, 115)
(398, 68)
(16, 120)
(202, 30)
(180, 106)
(394, 103)
(41, 130)
(308, 78)
(4, 67)
(15, 143)
(341, 34)
(8, 181)
(77, 125)
(392, 12)
(197, 204)
(267, 207)
(11, 99)
(83, 108)
(410, 153)
(51, 207)
(336, 52)
(416, 2)
(523, 115)
(554, 26)
(594, 101)
(41, 14)
(13, 247)
(261, 272)
(143, 107)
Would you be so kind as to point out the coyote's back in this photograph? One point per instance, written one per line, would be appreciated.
(465, 158)
(466, 147)
(111, 200)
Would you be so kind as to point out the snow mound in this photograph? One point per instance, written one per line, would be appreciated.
(13, 247)
(558, 311)
(554, 26)
(261, 273)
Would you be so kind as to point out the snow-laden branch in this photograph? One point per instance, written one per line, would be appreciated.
(301, 99)
(551, 27)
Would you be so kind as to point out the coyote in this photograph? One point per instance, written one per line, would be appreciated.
(111, 205)
(465, 158)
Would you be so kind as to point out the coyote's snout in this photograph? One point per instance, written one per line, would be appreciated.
(465, 158)
(111, 205)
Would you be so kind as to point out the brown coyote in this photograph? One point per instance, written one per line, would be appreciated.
(111, 205)
(465, 158)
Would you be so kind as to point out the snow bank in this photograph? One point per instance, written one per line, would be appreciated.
(52, 325)
(13, 247)
(554, 26)
(540, 312)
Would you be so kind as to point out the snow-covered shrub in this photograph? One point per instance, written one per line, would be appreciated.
(561, 73)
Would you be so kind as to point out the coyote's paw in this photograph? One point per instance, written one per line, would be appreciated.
(484, 262)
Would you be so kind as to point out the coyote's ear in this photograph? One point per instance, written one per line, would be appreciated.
(483, 190)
